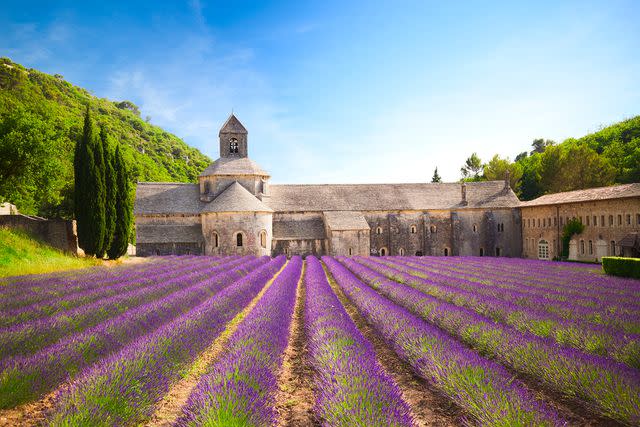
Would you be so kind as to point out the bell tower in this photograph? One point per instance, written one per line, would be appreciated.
(233, 139)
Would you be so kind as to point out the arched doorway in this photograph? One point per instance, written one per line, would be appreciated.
(543, 249)
(383, 251)
(419, 253)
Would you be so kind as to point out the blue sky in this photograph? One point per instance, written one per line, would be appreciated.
(335, 91)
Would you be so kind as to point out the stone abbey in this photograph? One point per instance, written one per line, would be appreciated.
(234, 209)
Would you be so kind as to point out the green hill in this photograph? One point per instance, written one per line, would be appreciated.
(22, 254)
(40, 120)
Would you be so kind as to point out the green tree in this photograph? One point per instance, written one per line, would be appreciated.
(436, 176)
(472, 168)
(124, 209)
(571, 228)
(539, 145)
(497, 168)
(82, 162)
(530, 186)
(99, 197)
(111, 185)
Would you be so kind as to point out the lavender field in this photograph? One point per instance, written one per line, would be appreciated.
(375, 341)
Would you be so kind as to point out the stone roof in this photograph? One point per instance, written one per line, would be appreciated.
(232, 125)
(587, 195)
(167, 198)
(345, 220)
(234, 166)
(236, 198)
(389, 197)
(159, 233)
(298, 229)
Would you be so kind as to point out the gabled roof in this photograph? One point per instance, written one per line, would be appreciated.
(298, 229)
(236, 198)
(232, 125)
(389, 197)
(587, 195)
(234, 166)
(167, 198)
(345, 220)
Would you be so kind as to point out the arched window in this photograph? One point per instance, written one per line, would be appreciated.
(475, 228)
(497, 251)
(378, 230)
(239, 239)
(610, 220)
(401, 252)
(619, 219)
(446, 251)
(582, 247)
(543, 249)
(350, 251)
(216, 240)
(413, 229)
(207, 188)
(481, 251)
(613, 247)
(383, 251)
(233, 149)
(263, 239)
(432, 229)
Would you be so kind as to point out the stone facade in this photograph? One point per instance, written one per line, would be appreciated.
(607, 221)
(234, 198)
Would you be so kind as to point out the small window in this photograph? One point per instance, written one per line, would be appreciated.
(637, 219)
(613, 247)
(555, 221)
(216, 242)
(497, 251)
(619, 219)
(207, 188)
(544, 222)
(588, 220)
(581, 221)
(263, 239)
(475, 228)
(446, 251)
(481, 251)
(610, 220)
(350, 251)
(432, 228)
(401, 252)
(628, 219)
(582, 247)
(595, 221)
(414, 229)
(543, 249)
(601, 220)
(590, 247)
(549, 221)
(378, 230)
(233, 149)
(529, 222)
(239, 239)
(538, 222)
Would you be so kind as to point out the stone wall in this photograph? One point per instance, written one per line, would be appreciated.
(227, 225)
(545, 223)
(173, 248)
(349, 242)
(59, 233)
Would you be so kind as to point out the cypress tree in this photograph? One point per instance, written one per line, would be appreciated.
(98, 196)
(110, 180)
(81, 164)
(436, 176)
(124, 209)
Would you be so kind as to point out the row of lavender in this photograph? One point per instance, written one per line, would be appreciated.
(600, 384)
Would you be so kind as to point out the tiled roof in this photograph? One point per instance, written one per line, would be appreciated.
(290, 229)
(157, 233)
(587, 195)
(389, 197)
(167, 198)
(232, 125)
(345, 220)
(236, 198)
(234, 166)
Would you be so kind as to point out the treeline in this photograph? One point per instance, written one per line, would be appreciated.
(41, 118)
(609, 156)
(103, 208)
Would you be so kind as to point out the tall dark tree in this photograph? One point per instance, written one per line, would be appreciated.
(124, 209)
(99, 198)
(82, 163)
(110, 180)
(436, 176)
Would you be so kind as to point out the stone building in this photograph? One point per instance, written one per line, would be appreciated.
(235, 210)
(610, 215)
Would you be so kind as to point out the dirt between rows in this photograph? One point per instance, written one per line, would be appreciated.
(428, 406)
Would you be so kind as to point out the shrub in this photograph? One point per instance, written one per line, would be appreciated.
(624, 267)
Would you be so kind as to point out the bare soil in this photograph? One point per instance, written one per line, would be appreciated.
(32, 413)
(296, 396)
(429, 407)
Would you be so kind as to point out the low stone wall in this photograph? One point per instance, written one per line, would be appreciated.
(59, 233)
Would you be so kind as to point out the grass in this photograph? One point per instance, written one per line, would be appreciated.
(21, 253)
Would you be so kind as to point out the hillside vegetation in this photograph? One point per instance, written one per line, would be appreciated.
(41, 118)
(22, 254)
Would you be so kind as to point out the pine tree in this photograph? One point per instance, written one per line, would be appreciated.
(110, 180)
(436, 176)
(81, 164)
(124, 209)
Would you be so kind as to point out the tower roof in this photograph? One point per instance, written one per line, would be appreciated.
(232, 125)
(236, 198)
(232, 166)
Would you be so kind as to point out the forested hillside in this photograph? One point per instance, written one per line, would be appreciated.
(41, 118)
(606, 157)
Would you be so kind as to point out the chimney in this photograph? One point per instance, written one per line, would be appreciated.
(464, 193)
(507, 180)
